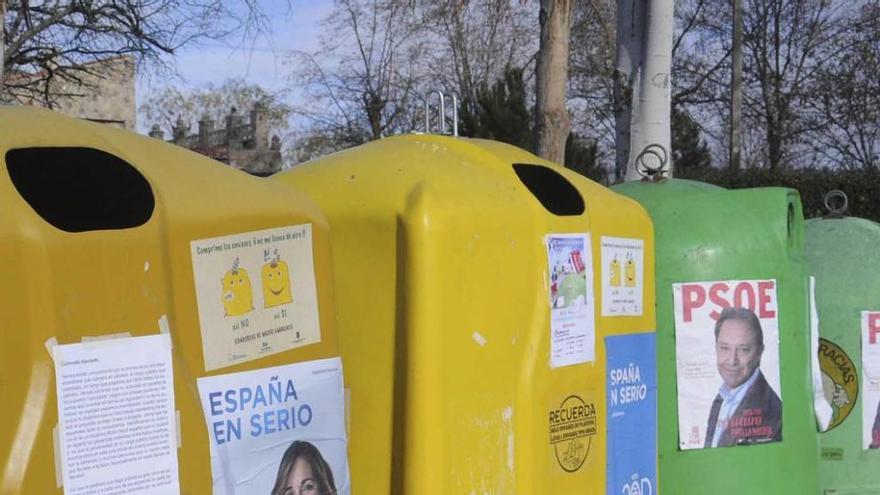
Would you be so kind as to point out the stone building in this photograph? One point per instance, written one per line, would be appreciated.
(243, 143)
(106, 95)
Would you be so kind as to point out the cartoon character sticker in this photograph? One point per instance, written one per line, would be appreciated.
(276, 282)
(840, 381)
(253, 311)
(615, 272)
(237, 295)
(630, 278)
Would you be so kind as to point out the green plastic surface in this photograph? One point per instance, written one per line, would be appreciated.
(706, 233)
(844, 256)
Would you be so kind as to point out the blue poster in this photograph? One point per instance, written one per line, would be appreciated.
(632, 414)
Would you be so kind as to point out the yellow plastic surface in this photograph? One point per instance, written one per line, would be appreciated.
(444, 318)
(70, 285)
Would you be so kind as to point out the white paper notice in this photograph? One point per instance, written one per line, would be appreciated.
(572, 299)
(871, 379)
(261, 423)
(116, 416)
(623, 267)
(256, 294)
(728, 384)
(821, 406)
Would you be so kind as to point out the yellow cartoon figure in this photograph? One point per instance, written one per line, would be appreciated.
(276, 283)
(630, 278)
(615, 272)
(237, 296)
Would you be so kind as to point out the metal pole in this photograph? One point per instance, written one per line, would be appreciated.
(736, 87)
(455, 115)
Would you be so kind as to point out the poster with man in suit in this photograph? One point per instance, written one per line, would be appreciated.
(727, 363)
(870, 379)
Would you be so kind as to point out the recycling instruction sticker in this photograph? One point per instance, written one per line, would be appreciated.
(256, 294)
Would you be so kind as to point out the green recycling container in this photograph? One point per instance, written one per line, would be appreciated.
(732, 340)
(845, 260)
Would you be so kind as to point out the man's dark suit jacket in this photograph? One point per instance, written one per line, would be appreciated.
(757, 419)
(875, 431)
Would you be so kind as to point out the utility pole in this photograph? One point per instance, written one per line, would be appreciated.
(736, 87)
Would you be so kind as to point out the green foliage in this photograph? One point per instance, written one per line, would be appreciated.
(581, 156)
(862, 186)
(689, 150)
(500, 112)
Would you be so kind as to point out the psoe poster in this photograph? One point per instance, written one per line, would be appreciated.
(277, 430)
(871, 379)
(727, 363)
(256, 294)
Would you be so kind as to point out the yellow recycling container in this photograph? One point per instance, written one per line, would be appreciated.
(479, 290)
(157, 303)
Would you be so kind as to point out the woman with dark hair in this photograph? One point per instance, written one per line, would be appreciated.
(303, 471)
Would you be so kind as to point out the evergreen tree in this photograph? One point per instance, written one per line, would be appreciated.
(500, 112)
(690, 153)
(581, 156)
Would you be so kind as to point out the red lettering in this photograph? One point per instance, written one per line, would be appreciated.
(716, 292)
(693, 296)
(764, 299)
(744, 288)
(873, 327)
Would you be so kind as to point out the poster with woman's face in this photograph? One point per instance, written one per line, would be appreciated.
(278, 431)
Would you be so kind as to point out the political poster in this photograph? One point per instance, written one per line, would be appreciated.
(116, 418)
(871, 379)
(572, 299)
(727, 363)
(632, 414)
(256, 294)
(277, 430)
(623, 275)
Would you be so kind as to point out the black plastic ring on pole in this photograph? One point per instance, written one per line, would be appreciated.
(836, 212)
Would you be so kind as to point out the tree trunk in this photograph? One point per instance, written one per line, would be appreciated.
(630, 19)
(774, 142)
(552, 123)
(736, 87)
(2, 49)
(651, 123)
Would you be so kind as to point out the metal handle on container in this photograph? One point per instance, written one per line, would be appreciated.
(442, 107)
(647, 171)
(836, 211)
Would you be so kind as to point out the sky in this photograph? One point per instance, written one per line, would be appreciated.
(295, 26)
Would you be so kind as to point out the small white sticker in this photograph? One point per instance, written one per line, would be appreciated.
(821, 406)
(256, 294)
(572, 299)
(116, 417)
(623, 275)
(870, 379)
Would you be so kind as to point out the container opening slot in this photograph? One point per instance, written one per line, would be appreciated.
(81, 189)
(555, 192)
